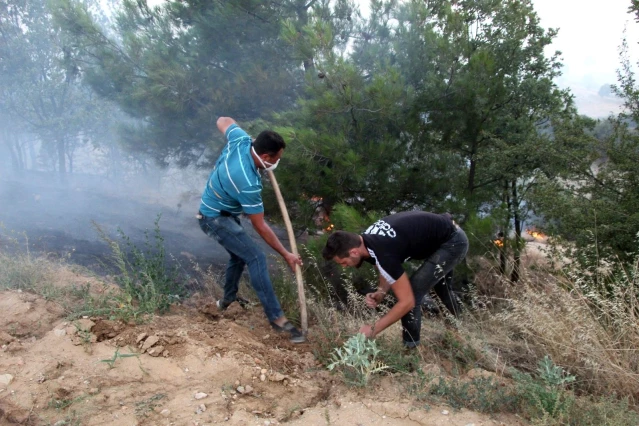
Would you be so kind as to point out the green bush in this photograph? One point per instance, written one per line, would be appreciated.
(357, 359)
(148, 283)
(546, 396)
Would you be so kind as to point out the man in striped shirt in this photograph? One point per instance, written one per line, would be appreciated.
(235, 187)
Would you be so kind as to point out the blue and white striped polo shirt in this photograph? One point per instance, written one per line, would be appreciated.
(234, 185)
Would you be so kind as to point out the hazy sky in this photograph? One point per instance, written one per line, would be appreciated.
(590, 32)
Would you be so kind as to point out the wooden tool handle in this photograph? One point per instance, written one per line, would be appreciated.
(291, 238)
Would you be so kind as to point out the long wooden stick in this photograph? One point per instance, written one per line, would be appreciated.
(291, 238)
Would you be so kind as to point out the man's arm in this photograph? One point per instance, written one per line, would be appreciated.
(405, 302)
(223, 123)
(267, 234)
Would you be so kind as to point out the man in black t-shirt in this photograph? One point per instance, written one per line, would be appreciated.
(390, 242)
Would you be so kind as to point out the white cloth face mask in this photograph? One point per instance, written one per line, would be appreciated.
(271, 166)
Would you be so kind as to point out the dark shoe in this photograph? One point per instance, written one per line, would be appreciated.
(296, 335)
(223, 304)
(242, 301)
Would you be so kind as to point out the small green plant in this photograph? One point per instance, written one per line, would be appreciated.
(21, 270)
(547, 395)
(116, 355)
(480, 394)
(459, 352)
(358, 359)
(148, 283)
(62, 403)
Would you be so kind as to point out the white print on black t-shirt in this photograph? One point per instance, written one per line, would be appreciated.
(381, 228)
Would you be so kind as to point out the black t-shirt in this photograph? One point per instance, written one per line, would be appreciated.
(394, 239)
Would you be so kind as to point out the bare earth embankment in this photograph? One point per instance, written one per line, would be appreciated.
(192, 366)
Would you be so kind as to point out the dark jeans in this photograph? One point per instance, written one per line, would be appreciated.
(228, 231)
(435, 274)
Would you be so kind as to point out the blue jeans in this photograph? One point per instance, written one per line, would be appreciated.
(435, 274)
(228, 231)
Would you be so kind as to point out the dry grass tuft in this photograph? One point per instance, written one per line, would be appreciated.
(586, 323)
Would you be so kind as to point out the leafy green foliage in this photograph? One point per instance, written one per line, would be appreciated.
(148, 283)
(178, 66)
(40, 85)
(358, 360)
(479, 394)
(546, 395)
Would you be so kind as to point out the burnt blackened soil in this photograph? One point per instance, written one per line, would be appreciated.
(59, 219)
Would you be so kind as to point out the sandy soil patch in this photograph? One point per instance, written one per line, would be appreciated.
(193, 366)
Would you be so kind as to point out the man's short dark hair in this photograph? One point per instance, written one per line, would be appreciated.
(268, 142)
(339, 244)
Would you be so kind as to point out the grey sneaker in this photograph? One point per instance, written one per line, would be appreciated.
(296, 335)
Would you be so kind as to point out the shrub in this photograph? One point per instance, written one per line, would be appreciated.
(357, 359)
(148, 283)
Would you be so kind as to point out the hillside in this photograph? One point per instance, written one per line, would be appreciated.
(192, 366)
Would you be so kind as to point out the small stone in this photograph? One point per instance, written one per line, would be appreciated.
(94, 391)
(445, 412)
(149, 342)
(266, 336)
(84, 324)
(237, 383)
(263, 371)
(277, 377)
(165, 413)
(200, 395)
(248, 389)
(241, 389)
(156, 351)
(60, 332)
(200, 409)
(140, 337)
(262, 377)
(6, 379)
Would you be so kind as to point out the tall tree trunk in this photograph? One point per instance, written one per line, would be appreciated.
(514, 277)
(503, 258)
(11, 142)
(60, 145)
(33, 157)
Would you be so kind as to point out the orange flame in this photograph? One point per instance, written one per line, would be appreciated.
(535, 234)
(498, 243)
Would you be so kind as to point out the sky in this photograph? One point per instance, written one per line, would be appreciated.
(590, 32)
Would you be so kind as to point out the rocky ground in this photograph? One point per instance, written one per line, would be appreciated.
(193, 366)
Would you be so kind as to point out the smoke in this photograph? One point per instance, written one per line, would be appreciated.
(57, 215)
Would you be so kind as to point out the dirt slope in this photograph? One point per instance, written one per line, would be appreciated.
(194, 366)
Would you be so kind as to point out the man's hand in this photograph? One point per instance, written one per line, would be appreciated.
(374, 299)
(367, 330)
(293, 260)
